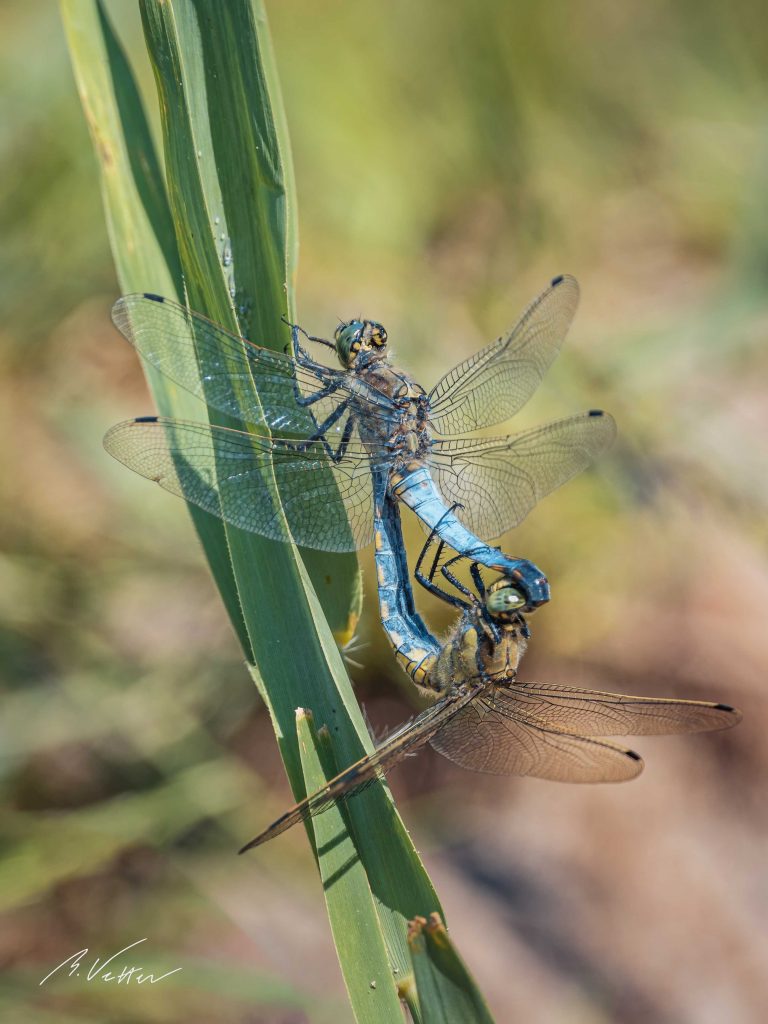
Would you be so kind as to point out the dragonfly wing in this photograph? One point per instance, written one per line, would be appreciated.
(350, 782)
(596, 713)
(498, 480)
(490, 737)
(231, 474)
(496, 382)
(376, 765)
(227, 372)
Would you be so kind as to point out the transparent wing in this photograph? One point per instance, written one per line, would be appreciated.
(325, 505)
(498, 480)
(595, 713)
(374, 766)
(221, 368)
(494, 384)
(495, 737)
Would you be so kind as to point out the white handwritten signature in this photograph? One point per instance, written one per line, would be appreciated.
(98, 968)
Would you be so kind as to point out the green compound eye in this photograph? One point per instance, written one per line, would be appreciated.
(505, 600)
(345, 338)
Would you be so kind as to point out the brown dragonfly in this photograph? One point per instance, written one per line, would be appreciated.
(486, 720)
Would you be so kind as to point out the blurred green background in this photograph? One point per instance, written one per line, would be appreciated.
(450, 160)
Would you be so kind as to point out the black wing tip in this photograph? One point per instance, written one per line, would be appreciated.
(596, 412)
(565, 280)
(734, 716)
(247, 847)
(145, 419)
(634, 755)
(152, 297)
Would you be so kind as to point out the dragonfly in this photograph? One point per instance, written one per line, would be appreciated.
(487, 720)
(340, 442)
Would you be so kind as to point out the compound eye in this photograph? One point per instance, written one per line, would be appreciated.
(348, 342)
(505, 600)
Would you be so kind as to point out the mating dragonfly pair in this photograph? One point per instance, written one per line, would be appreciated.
(325, 460)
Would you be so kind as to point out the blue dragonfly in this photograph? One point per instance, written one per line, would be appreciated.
(483, 717)
(325, 447)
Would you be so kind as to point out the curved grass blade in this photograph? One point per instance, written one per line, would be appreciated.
(203, 82)
(351, 908)
(231, 192)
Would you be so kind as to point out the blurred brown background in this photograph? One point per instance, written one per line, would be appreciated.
(450, 160)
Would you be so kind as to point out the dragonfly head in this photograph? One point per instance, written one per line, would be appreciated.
(360, 342)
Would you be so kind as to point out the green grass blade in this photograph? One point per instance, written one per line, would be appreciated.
(447, 994)
(139, 220)
(311, 674)
(213, 67)
(351, 908)
(230, 183)
(271, 579)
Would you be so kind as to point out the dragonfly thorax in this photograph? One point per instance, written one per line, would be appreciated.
(359, 342)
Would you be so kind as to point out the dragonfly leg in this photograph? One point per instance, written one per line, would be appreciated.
(319, 433)
(303, 357)
(438, 591)
(306, 400)
(452, 579)
(323, 373)
(320, 341)
(436, 561)
(309, 337)
(423, 552)
(477, 579)
(428, 581)
(338, 455)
